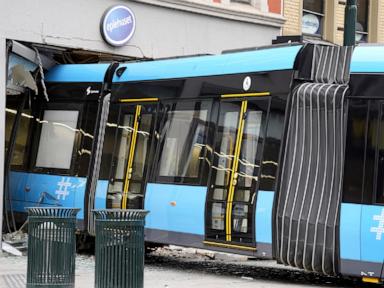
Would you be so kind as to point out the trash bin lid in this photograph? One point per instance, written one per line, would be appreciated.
(56, 212)
(120, 214)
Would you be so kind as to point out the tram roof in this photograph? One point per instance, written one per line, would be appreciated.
(368, 59)
(77, 73)
(268, 59)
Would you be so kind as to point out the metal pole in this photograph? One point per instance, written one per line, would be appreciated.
(3, 92)
(350, 23)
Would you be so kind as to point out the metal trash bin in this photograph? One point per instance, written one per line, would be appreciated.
(51, 247)
(119, 248)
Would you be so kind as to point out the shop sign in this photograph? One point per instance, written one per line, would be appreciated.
(117, 25)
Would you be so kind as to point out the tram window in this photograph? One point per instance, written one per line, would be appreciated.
(88, 126)
(10, 117)
(183, 139)
(355, 150)
(380, 160)
(19, 151)
(364, 154)
(240, 217)
(22, 134)
(271, 150)
(57, 134)
(218, 216)
(370, 152)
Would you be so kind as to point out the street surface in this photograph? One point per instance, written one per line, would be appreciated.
(179, 268)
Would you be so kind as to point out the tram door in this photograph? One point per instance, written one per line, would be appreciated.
(133, 146)
(235, 172)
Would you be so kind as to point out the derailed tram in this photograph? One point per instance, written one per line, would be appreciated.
(275, 152)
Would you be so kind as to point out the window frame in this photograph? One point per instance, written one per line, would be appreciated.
(31, 132)
(318, 14)
(203, 167)
(380, 132)
(364, 33)
(72, 170)
(371, 198)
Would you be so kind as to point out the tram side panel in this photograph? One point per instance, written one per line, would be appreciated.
(50, 162)
(178, 181)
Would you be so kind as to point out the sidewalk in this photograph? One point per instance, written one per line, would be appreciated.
(13, 271)
(13, 275)
(187, 268)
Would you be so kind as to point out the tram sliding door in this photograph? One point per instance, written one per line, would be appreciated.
(134, 137)
(235, 173)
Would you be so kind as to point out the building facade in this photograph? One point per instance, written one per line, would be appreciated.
(164, 28)
(324, 19)
(43, 33)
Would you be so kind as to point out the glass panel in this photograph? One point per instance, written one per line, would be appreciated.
(124, 143)
(240, 218)
(271, 150)
(370, 152)
(242, 1)
(220, 194)
(22, 138)
(362, 16)
(114, 198)
(88, 124)
(135, 196)
(313, 5)
(57, 134)
(183, 140)
(142, 146)
(380, 162)
(10, 116)
(242, 195)
(225, 148)
(248, 166)
(134, 189)
(22, 132)
(218, 216)
(311, 23)
(354, 152)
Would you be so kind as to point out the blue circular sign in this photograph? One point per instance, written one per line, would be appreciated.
(118, 25)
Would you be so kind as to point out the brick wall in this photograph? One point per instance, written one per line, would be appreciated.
(339, 16)
(292, 13)
(380, 24)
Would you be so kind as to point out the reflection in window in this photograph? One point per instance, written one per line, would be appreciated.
(313, 14)
(240, 218)
(10, 117)
(21, 141)
(218, 216)
(248, 166)
(57, 135)
(183, 140)
(380, 160)
(223, 159)
(355, 150)
(124, 144)
(362, 21)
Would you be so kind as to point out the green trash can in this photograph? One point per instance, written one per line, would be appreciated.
(51, 247)
(119, 248)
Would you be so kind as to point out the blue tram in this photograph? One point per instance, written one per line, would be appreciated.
(274, 152)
